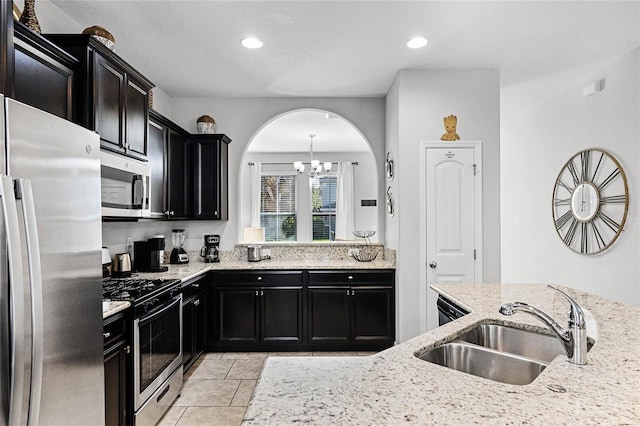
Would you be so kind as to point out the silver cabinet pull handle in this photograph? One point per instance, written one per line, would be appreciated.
(106, 335)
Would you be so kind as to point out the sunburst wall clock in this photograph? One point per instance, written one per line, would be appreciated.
(590, 201)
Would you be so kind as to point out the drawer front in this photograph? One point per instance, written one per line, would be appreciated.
(351, 277)
(195, 288)
(265, 278)
(113, 329)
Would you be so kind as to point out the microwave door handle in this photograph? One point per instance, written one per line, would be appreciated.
(146, 187)
(17, 308)
(25, 192)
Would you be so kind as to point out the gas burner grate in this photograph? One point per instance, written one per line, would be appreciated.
(133, 289)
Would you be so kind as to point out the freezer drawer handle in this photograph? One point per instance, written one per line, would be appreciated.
(164, 392)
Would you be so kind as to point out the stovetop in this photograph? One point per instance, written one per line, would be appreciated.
(135, 290)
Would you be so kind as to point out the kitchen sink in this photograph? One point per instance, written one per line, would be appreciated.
(485, 362)
(500, 353)
(542, 347)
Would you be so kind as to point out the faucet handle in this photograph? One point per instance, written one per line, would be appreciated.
(576, 315)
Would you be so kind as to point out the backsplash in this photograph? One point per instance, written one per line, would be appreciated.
(114, 234)
(312, 251)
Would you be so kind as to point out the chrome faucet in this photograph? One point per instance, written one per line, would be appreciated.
(574, 338)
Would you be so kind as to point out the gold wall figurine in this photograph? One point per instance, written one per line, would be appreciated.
(450, 124)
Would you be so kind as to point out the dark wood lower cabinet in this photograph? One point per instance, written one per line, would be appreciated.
(260, 315)
(300, 310)
(328, 315)
(116, 351)
(238, 316)
(281, 315)
(352, 309)
(371, 314)
(194, 322)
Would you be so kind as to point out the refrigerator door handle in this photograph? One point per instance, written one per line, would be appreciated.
(17, 308)
(25, 192)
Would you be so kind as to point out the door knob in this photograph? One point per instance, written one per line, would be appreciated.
(433, 265)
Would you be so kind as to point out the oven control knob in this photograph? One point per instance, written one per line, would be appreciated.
(150, 304)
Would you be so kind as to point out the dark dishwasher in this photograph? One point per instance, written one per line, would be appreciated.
(448, 311)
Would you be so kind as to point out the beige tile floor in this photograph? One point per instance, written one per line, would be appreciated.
(218, 387)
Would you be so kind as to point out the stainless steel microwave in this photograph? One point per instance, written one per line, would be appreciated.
(125, 186)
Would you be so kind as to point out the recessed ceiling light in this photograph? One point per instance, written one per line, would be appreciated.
(251, 43)
(417, 42)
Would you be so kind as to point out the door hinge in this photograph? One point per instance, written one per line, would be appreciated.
(474, 254)
(474, 169)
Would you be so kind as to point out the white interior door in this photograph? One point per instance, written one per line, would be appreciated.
(452, 203)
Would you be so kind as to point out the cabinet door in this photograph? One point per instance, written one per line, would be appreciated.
(178, 196)
(329, 314)
(200, 323)
(108, 103)
(115, 385)
(238, 319)
(208, 201)
(188, 352)
(42, 82)
(281, 315)
(136, 113)
(372, 314)
(156, 155)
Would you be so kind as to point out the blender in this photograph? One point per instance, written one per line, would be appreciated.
(178, 254)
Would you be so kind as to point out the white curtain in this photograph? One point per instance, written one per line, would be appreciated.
(256, 171)
(344, 202)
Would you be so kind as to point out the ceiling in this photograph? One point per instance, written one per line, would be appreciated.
(191, 49)
(352, 48)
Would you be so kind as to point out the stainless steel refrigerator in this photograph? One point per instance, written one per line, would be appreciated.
(51, 348)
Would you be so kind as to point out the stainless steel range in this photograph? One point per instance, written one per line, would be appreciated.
(157, 342)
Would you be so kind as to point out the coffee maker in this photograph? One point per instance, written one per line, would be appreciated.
(149, 255)
(209, 251)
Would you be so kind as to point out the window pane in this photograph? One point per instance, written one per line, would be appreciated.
(278, 207)
(323, 207)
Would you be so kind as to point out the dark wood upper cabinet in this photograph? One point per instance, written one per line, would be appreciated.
(6, 48)
(209, 162)
(44, 73)
(170, 178)
(111, 97)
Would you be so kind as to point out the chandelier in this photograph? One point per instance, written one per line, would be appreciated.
(316, 166)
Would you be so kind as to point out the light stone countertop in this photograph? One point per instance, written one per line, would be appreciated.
(110, 307)
(394, 386)
(299, 257)
(197, 267)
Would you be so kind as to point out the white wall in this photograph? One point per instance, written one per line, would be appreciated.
(538, 137)
(416, 105)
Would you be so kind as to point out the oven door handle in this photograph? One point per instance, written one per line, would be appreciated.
(153, 315)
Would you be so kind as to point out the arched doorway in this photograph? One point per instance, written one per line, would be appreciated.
(296, 207)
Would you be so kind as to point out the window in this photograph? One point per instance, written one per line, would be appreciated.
(278, 207)
(323, 208)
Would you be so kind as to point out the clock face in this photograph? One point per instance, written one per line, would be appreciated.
(590, 201)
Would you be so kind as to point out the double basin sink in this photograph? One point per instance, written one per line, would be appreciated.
(498, 352)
